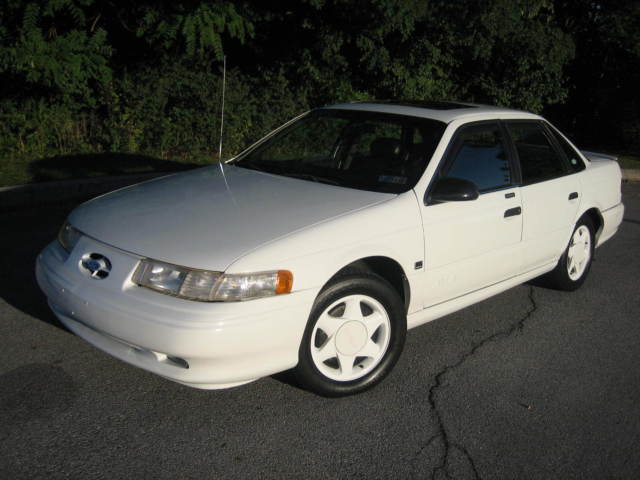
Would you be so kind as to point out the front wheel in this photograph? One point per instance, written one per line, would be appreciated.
(354, 336)
(575, 262)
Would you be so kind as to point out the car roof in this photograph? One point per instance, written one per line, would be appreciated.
(443, 111)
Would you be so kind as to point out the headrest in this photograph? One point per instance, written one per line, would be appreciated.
(385, 147)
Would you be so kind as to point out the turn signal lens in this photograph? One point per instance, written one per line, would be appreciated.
(284, 283)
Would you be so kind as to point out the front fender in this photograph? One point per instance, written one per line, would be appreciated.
(392, 229)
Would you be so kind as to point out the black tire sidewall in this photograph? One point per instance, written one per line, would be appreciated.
(365, 284)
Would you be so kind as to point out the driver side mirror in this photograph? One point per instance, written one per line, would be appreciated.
(450, 189)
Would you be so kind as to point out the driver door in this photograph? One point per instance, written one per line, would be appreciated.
(472, 244)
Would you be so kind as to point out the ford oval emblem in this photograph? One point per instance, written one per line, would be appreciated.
(97, 265)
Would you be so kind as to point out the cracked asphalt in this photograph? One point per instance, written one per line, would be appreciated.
(530, 384)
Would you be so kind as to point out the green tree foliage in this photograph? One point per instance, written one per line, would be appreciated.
(500, 51)
(604, 105)
(196, 27)
(510, 52)
(383, 51)
(82, 76)
(52, 45)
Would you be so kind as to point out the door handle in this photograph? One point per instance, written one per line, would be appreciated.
(512, 212)
(509, 195)
(573, 195)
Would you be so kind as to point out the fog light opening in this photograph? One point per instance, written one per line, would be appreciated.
(166, 359)
(178, 362)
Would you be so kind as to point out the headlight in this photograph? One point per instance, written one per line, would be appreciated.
(68, 236)
(207, 286)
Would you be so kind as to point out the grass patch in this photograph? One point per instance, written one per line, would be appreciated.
(629, 161)
(625, 160)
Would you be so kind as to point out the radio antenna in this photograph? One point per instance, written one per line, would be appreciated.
(220, 162)
(224, 75)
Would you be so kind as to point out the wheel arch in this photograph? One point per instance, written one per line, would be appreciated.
(383, 266)
(596, 218)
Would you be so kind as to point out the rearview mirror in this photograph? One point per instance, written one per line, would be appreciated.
(450, 189)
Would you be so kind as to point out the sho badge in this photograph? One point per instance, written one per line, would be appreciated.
(98, 266)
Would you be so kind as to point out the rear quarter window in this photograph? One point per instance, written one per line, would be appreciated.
(576, 164)
(539, 160)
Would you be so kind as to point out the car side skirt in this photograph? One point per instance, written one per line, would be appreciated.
(445, 308)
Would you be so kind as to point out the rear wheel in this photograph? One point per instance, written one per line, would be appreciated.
(575, 262)
(354, 336)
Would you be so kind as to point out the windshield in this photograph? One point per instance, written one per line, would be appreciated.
(365, 150)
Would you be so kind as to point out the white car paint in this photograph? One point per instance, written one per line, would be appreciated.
(179, 218)
(238, 220)
(470, 245)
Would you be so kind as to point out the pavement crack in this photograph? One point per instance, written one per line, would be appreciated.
(443, 434)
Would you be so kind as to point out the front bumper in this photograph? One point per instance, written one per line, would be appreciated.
(203, 345)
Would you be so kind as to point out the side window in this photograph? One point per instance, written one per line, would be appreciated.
(539, 161)
(478, 154)
(574, 160)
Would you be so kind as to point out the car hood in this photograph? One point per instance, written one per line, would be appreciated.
(206, 219)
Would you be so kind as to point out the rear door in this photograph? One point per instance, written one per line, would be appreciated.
(550, 192)
(472, 244)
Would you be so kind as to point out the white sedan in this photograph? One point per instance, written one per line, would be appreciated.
(318, 247)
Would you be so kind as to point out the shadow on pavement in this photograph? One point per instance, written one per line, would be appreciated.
(25, 234)
(288, 378)
(64, 167)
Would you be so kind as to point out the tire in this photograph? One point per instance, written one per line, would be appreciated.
(575, 263)
(354, 336)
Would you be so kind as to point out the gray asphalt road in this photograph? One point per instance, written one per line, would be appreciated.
(532, 383)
